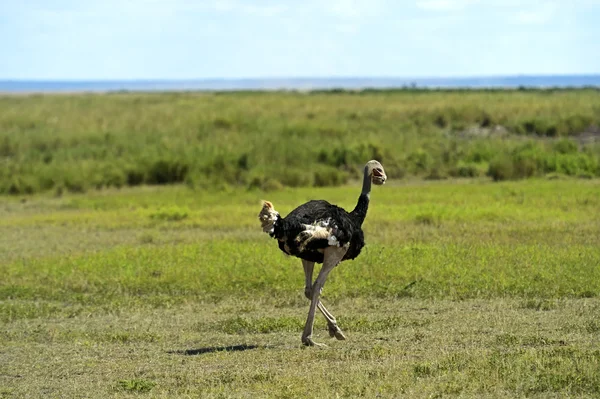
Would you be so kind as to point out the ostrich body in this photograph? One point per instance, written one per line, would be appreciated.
(319, 232)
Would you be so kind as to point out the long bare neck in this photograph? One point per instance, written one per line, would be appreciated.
(359, 213)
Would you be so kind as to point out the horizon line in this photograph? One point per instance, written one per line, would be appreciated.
(306, 77)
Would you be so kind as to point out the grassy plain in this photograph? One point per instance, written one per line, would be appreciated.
(466, 289)
(80, 142)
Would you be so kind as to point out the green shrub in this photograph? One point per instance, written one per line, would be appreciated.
(329, 177)
(465, 170)
(165, 171)
(565, 146)
(537, 126)
(75, 184)
(524, 167)
(111, 176)
(574, 124)
(485, 120)
(19, 186)
(347, 157)
(501, 168)
(223, 140)
(481, 151)
(395, 171)
(134, 176)
(271, 185)
(225, 169)
(441, 121)
(419, 161)
(264, 184)
(436, 173)
(570, 164)
(293, 177)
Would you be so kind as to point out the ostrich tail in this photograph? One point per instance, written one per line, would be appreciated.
(268, 216)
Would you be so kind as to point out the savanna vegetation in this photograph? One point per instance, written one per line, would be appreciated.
(287, 139)
(467, 287)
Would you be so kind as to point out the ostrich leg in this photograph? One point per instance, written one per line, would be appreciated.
(334, 330)
(333, 256)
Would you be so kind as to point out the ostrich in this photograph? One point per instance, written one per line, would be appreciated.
(320, 232)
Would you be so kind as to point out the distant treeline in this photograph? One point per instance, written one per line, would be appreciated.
(269, 140)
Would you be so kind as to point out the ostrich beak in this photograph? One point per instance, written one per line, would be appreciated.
(379, 177)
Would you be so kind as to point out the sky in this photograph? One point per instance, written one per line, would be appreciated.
(197, 39)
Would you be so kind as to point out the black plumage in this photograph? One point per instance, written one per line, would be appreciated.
(345, 227)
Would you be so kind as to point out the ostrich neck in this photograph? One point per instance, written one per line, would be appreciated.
(360, 210)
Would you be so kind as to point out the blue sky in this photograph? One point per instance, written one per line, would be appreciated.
(196, 39)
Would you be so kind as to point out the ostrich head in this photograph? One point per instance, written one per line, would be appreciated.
(268, 216)
(374, 171)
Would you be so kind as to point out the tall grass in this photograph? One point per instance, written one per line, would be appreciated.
(269, 140)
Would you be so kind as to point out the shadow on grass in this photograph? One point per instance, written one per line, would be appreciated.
(212, 349)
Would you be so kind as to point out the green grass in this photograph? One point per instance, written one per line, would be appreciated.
(466, 288)
(74, 143)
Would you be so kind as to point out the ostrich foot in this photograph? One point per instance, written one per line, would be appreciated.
(335, 331)
(308, 341)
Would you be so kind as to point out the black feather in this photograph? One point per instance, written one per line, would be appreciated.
(346, 228)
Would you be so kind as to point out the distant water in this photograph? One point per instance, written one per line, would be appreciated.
(532, 81)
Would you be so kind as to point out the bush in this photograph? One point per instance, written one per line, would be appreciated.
(226, 169)
(536, 126)
(337, 157)
(395, 171)
(134, 176)
(112, 176)
(166, 172)
(346, 157)
(75, 185)
(465, 170)
(227, 140)
(294, 177)
(532, 159)
(329, 177)
(524, 167)
(481, 151)
(485, 120)
(571, 164)
(501, 168)
(265, 184)
(271, 185)
(419, 160)
(573, 125)
(436, 173)
(19, 186)
(565, 146)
